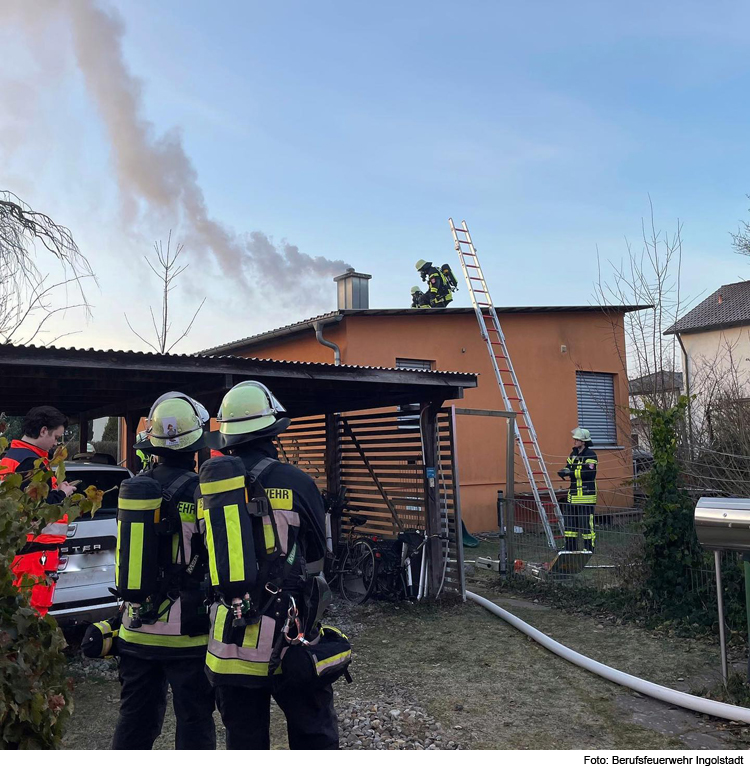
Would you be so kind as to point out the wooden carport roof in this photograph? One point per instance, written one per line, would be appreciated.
(88, 384)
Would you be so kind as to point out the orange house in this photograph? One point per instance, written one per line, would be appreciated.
(568, 359)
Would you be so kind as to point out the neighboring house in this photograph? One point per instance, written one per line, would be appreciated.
(567, 359)
(715, 341)
(662, 389)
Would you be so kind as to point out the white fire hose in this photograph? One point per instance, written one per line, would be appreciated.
(670, 696)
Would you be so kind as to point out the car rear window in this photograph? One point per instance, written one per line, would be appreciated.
(102, 479)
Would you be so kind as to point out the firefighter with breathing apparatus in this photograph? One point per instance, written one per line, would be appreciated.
(418, 298)
(264, 524)
(160, 573)
(441, 283)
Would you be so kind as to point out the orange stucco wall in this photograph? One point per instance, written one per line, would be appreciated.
(547, 375)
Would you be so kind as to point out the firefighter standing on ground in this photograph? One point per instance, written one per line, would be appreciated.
(168, 646)
(239, 656)
(43, 428)
(581, 503)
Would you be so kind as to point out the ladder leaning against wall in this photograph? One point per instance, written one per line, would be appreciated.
(492, 333)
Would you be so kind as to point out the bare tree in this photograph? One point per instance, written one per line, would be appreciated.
(649, 276)
(29, 297)
(167, 271)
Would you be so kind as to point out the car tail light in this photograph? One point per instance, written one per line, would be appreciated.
(62, 563)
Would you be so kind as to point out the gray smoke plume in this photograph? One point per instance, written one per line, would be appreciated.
(156, 173)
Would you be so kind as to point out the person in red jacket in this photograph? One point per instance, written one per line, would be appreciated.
(43, 429)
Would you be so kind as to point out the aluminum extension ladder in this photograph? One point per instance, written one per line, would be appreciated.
(492, 333)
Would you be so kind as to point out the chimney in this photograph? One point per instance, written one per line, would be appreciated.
(353, 290)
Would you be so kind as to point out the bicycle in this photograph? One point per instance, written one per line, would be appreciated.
(354, 567)
(395, 575)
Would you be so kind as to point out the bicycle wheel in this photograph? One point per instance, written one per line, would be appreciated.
(358, 572)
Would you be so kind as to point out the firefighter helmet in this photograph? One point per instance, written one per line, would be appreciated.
(415, 289)
(175, 422)
(579, 433)
(421, 264)
(249, 411)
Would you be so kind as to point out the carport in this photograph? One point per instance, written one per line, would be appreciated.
(351, 423)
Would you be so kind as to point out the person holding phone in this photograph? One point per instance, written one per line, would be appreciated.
(43, 428)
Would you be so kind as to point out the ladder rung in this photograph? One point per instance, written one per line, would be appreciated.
(517, 399)
(476, 278)
(466, 242)
(466, 264)
(458, 229)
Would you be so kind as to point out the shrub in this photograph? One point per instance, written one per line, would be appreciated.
(35, 693)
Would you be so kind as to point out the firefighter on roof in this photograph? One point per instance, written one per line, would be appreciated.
(581, 502)
(441, 283)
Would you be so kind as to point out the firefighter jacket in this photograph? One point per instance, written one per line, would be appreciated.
(583, 464)
(438, 290)
(41, 554)
(240, 656)
(181, 629)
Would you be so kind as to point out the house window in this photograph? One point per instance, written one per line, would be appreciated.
(596, 406)
(410, 418)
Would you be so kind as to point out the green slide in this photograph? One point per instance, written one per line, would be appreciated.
(468, 539)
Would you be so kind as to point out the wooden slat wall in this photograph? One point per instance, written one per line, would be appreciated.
(393, 450)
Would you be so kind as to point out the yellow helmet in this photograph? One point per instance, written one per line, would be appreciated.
(175, 422)
(415, 289)
(421, 264)
(249, 407)
(579, 433)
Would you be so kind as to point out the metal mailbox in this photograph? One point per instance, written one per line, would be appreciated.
(723, 523)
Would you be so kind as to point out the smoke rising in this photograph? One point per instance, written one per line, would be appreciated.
(154, 173)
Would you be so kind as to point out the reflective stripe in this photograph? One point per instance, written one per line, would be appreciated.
(252, 633)
(199, 508)
(172, 641)
(221, 617)
(234, 542)
(268, 537)
(236, 666)
(138, 505)
(211, 550)
(225, 485)
(135, 557)
(332, 661)
(118, 552)
(571, 533)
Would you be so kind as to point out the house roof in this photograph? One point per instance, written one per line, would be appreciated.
(728, 306)
(90, 383)
(334, 317)
(660, 381)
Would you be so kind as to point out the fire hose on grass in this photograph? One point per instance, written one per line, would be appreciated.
(663, 693)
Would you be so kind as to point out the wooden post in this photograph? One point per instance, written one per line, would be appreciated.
(333, 469)
(428, 427)
(510, 494)
(83, 433)
(131, 425)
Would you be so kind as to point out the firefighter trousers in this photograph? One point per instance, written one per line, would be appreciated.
(311, 720)
(143, 703)
(579, 526)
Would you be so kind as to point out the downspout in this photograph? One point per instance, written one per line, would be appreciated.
(318, 326)
(687, 391)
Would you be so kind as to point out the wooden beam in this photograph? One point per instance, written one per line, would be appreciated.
(428, 425)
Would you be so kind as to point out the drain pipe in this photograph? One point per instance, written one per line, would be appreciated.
(670, 696)
(318, 327)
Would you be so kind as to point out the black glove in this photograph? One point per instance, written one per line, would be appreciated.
(564, 473)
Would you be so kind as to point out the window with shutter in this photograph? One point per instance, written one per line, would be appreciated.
(596, 406)
(410, 417)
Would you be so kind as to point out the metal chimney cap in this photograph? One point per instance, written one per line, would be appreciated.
(352, 273)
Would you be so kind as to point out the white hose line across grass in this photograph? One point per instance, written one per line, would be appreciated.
(663, 693)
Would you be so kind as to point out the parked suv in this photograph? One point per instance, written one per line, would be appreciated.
(87, 558)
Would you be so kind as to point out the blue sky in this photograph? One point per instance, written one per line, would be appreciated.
(355, 130)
